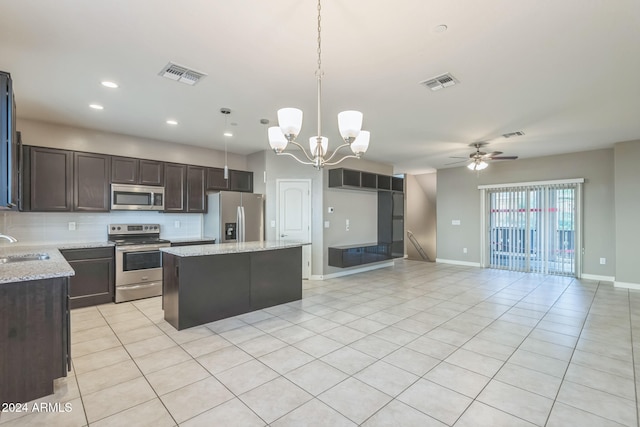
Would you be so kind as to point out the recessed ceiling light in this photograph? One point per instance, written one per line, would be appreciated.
(96, 106)
(172, 122)
(110, 85)
(440, 28)
(228, 134)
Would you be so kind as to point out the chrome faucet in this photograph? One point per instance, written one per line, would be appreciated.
(9, 238)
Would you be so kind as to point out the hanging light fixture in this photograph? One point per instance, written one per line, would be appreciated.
(227, 134)
(290, 123)
(477, 165)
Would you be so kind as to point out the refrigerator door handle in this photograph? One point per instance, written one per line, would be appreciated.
(240, 225)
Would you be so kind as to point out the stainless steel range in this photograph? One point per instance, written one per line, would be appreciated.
(138, 260)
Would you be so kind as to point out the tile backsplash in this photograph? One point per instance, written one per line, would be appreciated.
(48, 228)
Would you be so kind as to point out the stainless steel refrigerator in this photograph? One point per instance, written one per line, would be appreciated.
(234, 217)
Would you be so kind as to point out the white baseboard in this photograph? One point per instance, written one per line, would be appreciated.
(456, 262)
(627, 285)
(597, 277)
(351, 271)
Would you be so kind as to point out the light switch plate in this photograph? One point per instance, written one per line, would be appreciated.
(326, 224)
(273, 223)
(455, 222)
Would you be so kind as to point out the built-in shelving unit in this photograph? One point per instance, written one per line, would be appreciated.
(390, 218)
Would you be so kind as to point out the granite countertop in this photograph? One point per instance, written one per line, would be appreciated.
(55, 266)
(231, 248)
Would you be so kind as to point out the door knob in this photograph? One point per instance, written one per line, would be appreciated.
(283, 235)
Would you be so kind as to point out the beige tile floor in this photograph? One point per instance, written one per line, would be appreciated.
(419, 344)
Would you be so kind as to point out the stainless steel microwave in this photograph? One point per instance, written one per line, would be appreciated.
(128, 197)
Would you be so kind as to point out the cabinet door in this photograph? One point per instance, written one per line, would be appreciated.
(175, 181)
(91, 182)
(50, 180)
(215, 179)
(151, 173)
(241, 181)
(93, 282)
(196, 197)
(124, 170)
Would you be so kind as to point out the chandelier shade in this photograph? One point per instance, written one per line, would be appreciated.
(361, 143)
(277, 140)
(290, 124)
(290, 121)
(349, 124)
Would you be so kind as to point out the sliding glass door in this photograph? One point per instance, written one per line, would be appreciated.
(533, 228)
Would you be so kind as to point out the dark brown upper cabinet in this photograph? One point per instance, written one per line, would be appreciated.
(127, 170)
(196, 191)
(151, 172)
(47, 180)
(175, 183)
(91, 182)
(241, 181)
(215, 179)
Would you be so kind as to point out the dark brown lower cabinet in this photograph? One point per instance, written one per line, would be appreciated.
(34, 338)
(94, 280)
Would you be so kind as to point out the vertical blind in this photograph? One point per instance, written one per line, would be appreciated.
(532, 228)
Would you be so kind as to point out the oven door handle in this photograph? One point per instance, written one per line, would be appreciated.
(132, 287)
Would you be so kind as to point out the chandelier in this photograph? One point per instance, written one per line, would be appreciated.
(290, 123)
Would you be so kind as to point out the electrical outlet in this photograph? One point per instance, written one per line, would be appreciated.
(455, 222)
(347, 225)
(176, 224)
(273, 223)
(464, 250)
(326, 224)
(72, 226)
(603, 261)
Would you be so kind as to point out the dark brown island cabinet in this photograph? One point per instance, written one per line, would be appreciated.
(94, 280)
(202, 289)
(35, 342)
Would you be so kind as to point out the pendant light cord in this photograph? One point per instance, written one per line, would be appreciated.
(319, 76)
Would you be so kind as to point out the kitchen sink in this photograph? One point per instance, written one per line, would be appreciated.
(23, 257)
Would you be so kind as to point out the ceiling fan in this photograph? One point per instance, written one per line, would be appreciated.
(478, 160)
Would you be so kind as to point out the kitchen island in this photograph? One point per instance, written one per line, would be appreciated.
(204, 283)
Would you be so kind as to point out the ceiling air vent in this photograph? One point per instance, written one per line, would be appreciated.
(440, 82)
(512, 134)
(181, 74)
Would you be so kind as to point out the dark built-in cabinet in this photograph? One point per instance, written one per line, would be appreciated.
(238, 180)
(48, 180)
(127, 170)
(35, 342)
(61, 181)
(175, 187)
(56, 180)
(94, 280)
(196, 189)
(390, 242)
(360, 180)
(91, 182)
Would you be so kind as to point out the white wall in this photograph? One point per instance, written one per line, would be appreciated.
(627, 206)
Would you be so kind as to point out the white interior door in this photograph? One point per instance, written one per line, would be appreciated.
(294, 216)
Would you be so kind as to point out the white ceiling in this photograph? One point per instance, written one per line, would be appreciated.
(567, 73)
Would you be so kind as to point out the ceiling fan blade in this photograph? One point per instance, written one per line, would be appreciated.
(490, 155)
(504, 158)
(457, 157)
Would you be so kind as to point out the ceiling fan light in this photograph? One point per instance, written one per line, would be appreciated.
(478, 165)
(313, 145)
(290, 121)
(277, 140)
(350, 123)
(361, 143)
